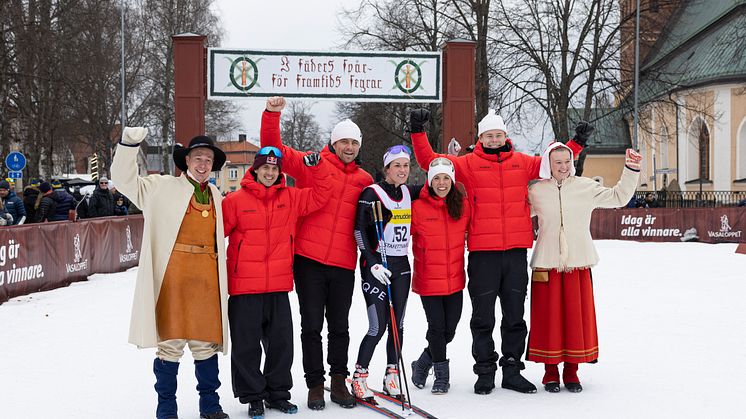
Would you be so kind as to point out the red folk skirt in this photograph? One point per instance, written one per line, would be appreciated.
(563, 319)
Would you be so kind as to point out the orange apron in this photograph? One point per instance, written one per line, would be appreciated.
(189, 301)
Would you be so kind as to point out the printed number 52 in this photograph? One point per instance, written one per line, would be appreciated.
(400, 233)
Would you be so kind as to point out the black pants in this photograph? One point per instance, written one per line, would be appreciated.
(443, 313)
(377, 302)
(323, 290)
(258, 320)
(495, 274)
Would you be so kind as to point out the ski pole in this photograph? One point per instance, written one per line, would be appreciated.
(378, 216)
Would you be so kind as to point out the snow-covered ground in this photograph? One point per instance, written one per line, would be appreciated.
(670, 319)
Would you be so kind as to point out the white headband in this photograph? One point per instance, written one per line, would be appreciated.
(438, 166)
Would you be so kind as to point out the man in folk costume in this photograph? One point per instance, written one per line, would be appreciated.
(181, 290)
(496, 178)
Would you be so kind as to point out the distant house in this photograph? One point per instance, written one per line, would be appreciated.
(692, 93)
(240, 156)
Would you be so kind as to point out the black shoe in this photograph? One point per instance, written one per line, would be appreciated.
(283, 406)
(442, 377)
(256, 409)
(216, 415)
(552, 387)
(513, 380)
(485, 383)
(421, 369)
(316, 397)
(573, 387)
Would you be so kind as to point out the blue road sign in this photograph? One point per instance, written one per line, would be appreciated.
(15, 161)
(15, 174)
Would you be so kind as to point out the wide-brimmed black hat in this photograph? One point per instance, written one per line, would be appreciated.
(180, 152)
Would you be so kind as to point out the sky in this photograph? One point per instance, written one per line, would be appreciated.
(282, 24)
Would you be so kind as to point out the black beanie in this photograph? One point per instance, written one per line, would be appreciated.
(45, 187)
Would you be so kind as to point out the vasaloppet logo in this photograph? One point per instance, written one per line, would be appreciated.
(130, 253)
(78, 263)
(725, 230)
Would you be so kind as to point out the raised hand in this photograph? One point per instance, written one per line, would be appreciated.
(417, 120)
(276, 104)
(311, 159)
(134, 135)
(454, 147)
(583, 132)
(632, 159)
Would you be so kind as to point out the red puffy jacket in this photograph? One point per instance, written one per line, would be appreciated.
(497, 186)
(325, 235)
(438, 246)
(260, 224)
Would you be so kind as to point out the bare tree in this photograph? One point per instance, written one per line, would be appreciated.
(299, 127)
(160, 21)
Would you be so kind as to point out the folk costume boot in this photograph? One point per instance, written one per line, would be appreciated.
(360, 384)
(551, 378)
(207, 385)
(421, 369)
(512, 378)
(570, 378)
(391, 381)
(442, 377)
(316, 397)
(165, 385)
(340, 394)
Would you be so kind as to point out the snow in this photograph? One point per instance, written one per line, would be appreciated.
(670, 326)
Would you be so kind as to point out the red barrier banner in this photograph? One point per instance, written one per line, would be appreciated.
(40, 257)
(712, 225)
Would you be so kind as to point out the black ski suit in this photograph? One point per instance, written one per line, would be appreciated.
(375, 293)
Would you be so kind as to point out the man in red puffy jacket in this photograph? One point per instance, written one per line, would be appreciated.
(260, 221)
(496, 179)
(325, 253)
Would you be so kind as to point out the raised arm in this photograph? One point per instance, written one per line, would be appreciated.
(313, 198)
(124, 168)
(423, 151)
(269, 135)
(622, 192)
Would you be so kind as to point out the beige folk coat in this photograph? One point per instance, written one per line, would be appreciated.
(163, 201)
(564, 241)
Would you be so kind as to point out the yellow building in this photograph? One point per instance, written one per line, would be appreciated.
(692, 94)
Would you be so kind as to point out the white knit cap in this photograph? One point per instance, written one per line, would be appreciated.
(545, 170)
(441, 165)
(346, 129)
(492, 121)
(395, 152)
(110, 184)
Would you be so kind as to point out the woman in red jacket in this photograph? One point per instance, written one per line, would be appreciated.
(439, 221)
(260, 221)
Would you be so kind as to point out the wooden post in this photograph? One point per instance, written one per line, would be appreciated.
(459, 96)
(190, 86)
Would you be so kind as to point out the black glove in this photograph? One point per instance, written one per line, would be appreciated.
(417, 120)
(583, 132)
(312, 159)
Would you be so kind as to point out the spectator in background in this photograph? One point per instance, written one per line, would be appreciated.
(742, 203)
(47, 206)
(65, 202)
(101, 203)
(119, 206)
(31, 198)
(117, 197)
(648, 202)
(12, 204)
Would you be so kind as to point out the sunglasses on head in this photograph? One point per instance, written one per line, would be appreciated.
(264, 151)
(399, 149)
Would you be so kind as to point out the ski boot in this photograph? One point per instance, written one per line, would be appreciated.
(360, 385)
(391, 382)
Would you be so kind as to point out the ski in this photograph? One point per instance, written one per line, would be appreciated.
(375, 407)
(413, 408)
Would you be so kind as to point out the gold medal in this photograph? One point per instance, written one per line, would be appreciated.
(205, 213)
